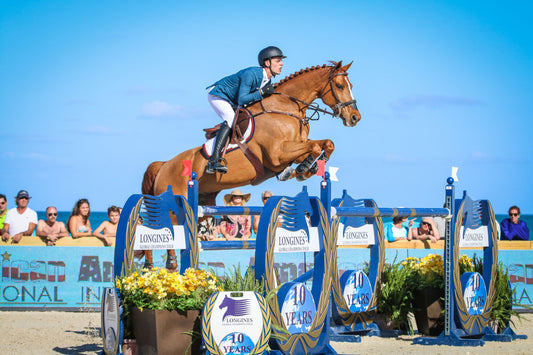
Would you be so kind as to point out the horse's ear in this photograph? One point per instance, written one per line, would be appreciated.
(346, 67)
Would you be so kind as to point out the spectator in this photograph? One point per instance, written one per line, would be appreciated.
(208, 228)
(20, 221)
(236, 227)
(264, 197)
(426, 230)
(108, 229)
(513, 228)
(78, 223)
(51, 230)
(397, 230)
(3, 211)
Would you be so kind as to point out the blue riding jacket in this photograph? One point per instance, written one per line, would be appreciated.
(240, 88)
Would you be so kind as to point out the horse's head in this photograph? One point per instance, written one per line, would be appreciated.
(337, 94)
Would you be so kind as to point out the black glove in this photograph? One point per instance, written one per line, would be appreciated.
(267, 90)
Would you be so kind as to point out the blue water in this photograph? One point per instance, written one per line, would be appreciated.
(96, 218)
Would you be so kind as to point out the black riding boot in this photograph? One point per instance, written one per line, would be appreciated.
(214, 164)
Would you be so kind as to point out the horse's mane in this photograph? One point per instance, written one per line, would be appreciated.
(334, 68)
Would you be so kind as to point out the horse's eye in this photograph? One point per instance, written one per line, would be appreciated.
(339, 86)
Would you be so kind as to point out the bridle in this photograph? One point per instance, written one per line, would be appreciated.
(337, 109)
(340, 105)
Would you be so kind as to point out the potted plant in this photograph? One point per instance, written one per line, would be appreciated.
(426, 280)
(394, 300)
(161, 308)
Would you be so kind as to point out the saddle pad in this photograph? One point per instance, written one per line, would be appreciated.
(207, 147)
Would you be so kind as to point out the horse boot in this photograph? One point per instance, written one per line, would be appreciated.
(214, 165)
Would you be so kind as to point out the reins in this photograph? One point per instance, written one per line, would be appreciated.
(310, 106)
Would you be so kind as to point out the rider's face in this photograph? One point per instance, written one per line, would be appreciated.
(276, 64)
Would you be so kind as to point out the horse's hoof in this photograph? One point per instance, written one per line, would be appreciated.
(148, 265)
(172, 263)
(285, 174)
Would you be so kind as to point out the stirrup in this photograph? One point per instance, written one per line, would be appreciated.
(216, 167)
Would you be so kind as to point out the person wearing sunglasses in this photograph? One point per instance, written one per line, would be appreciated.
(20, 221)
(513, 228)
(426, 230)
(3, 211)
(264, 197)
(50, 230)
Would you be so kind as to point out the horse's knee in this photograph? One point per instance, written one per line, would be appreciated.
(329, 146)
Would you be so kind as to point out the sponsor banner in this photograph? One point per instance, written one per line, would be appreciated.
(363, 235)
(55, 277)
(478, 237)
(75, 277)
(236, 322)
(296, 241)
(159, 239)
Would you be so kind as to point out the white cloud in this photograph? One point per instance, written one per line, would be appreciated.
(432, 101)
(31, 156)
(160, 109)
(99, 130)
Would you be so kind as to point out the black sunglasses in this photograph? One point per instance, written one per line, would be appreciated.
(52, 214)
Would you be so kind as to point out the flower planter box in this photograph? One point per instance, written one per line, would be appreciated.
(428, 307)
(165, 332)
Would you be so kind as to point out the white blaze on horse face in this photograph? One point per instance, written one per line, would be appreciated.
(349, 86)
(348, 119)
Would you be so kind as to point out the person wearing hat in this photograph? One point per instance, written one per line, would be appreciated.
(20, 221)
(246, 86)
(236, 227)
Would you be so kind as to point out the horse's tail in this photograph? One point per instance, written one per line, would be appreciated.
(149, 177)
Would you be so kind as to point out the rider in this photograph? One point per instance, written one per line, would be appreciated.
(246, 86)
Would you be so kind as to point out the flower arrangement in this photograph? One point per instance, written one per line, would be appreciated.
(429, 270)
(159, 289)
(402, 281)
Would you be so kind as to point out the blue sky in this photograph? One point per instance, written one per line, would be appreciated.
(91, 92)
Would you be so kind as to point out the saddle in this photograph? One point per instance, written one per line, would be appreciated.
(243, 118)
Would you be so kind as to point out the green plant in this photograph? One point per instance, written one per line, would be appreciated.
(395, 297)
(502, 307)
(235, 281)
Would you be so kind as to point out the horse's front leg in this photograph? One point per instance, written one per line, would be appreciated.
(328, 148)
(306, 153)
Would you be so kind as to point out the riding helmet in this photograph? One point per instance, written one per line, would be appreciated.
(269, 53)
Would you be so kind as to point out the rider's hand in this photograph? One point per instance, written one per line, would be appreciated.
(267, 90)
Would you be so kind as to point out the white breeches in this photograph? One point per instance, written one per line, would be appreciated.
(222, 108)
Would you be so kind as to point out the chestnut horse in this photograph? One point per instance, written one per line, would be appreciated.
(280, 138)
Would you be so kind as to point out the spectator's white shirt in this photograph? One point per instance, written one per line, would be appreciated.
(20, 222)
